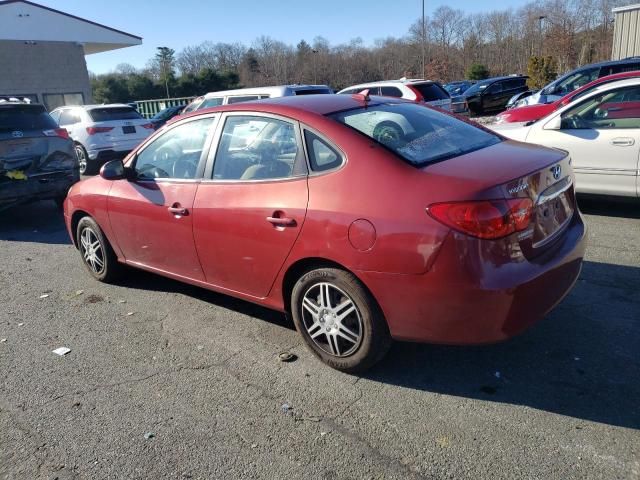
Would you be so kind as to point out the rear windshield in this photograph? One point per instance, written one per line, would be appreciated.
(419, 134)
(312, 91)
(25, 117)
(114, 113)
(431, 91)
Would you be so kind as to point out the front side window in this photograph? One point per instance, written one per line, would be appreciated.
(175, 154)
(417, 134)
(609, 110)
(256, 148)
(495, 88)
(211, 102)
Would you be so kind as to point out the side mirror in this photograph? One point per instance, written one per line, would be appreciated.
(113, 170)
(554, 124)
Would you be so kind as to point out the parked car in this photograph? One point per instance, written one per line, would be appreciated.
(579, 77)
(226, 97)
(458, 88)
(102, 132)
(450, 234)
(163, 116)
(601, 133)
(530, 113)
(417, 90)
(37, 161)
(193, 105)
(491, 95)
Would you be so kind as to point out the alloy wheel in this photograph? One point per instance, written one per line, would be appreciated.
(92, 251)
(82, 159)
(332, 319)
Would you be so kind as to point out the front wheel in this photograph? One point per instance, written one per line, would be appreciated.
(97, 254)
(339, 320)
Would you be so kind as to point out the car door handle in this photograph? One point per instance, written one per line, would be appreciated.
(622, 142)
(281, 221)
(178, 210)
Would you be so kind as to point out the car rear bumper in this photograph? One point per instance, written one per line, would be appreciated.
(468, 298)
(42, 186)
(116, 150)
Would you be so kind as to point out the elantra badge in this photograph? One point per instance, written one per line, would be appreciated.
(519, 188)
(556, 171)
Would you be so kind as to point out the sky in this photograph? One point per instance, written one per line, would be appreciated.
(177, 24)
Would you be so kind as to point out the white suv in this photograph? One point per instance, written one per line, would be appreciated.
(102, 132)
(214, 99)
(418, 90)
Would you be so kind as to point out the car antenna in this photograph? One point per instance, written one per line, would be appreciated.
(362, 96)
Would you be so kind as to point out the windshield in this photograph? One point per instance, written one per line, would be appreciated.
(418, 134)
(477, 88)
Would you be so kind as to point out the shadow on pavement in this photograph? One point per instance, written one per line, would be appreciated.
(609, 207)
(40, 222)
(582, 361)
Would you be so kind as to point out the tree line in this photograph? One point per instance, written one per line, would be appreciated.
(450, 45)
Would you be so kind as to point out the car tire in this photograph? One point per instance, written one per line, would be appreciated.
(339, 320)
(97, 255)
(86, 168)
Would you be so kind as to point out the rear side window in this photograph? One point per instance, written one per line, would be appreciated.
(25, 117)
(322, 156)
(417, 134)
(245, 98)
(114, 113)
(312, 91)
(390, 92)
(68, 117)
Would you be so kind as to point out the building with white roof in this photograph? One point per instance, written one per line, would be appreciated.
(42, 52)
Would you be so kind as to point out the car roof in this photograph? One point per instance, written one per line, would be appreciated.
(93, 107)
(627, 82)
(276, 89)
(605, 63)
(294, 106)
(504, 77)
(378, 83)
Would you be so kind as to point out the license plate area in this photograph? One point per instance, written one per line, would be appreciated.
(128, 129)
(553, 212)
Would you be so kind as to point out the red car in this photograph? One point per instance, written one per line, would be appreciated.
(531, 113)
(365, 219)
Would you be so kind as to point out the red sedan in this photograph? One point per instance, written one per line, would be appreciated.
(365, 219)
(531, 113)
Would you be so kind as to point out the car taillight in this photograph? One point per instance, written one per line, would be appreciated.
(94, 130)
(57, 132)
(488, 219)
(148, 126)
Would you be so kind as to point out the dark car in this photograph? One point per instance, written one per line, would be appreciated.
(447, 233)
(37, 160)
(492, 94)
(163, 116)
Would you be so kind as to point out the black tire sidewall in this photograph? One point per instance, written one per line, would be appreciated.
(374, 330)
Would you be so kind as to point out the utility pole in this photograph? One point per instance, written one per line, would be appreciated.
(540, 19)
(424, 34)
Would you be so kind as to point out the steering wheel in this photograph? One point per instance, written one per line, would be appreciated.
(576, 122)
(183, 168)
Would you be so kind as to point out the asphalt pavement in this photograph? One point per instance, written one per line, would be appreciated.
(168, 381)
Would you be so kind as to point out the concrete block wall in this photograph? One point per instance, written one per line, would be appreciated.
(43, 67)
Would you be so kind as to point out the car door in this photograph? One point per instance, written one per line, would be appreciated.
(151, 211)
(491, 96)
(602, 135)
(250, 210)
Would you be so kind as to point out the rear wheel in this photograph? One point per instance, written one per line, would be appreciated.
(83, 160)
(97, 254)
(339, 320)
